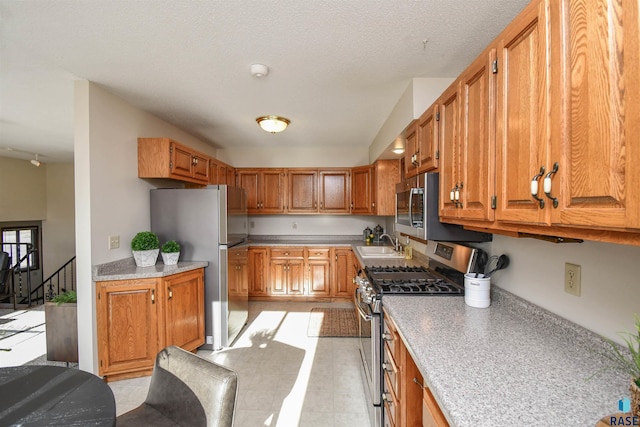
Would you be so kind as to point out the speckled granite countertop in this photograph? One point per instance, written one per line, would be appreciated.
(510, 364)
(125, 269)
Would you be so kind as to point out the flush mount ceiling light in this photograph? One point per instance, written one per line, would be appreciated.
(273, 124)
(35, 161)
(398, 146)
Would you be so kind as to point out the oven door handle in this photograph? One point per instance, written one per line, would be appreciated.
(365, 316)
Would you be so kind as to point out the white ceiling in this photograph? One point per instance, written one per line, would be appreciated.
(337, 68)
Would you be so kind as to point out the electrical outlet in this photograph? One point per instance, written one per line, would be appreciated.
(572, 279)
(114, 242)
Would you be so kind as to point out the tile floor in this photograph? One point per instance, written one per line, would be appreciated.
(22, 336)
(285, 378)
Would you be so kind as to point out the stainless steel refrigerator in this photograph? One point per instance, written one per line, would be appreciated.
(207, 223)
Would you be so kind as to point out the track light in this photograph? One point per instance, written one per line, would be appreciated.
(35, 161)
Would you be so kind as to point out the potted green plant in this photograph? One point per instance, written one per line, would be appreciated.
(145, 247)
(628, 363)
(61, 327)
(170, 252)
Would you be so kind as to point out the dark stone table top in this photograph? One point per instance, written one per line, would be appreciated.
(35, 395)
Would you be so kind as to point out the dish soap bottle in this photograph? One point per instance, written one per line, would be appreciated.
(408, 251)
(365, 234)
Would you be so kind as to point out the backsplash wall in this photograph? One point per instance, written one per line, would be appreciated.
(312, 225)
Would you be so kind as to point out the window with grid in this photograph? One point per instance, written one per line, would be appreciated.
(17, 242)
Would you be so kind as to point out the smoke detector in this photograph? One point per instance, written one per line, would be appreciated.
(259, 70)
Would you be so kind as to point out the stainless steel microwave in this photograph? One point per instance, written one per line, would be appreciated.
(417, 212)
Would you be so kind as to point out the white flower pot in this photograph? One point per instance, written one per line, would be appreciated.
(170, 258)
(146, 258)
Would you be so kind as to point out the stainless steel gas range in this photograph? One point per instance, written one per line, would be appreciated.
(448, 262)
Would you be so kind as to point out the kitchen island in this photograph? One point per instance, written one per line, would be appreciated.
(510, 364)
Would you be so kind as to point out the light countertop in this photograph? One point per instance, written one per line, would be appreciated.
(127, 269)
(510, 364)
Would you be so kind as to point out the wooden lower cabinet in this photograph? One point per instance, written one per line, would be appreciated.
(310, 272)
(139, 317)
(258, 271)
(407, 402)
(342, 285)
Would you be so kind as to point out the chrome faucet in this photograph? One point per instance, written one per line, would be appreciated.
(394, 241)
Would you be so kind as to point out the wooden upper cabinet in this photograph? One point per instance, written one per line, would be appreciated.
(411, 155)
(274, 190)
(522, 121)
(221, 173)
(597, 87)
(334, 191)
(362, 190)
(166, 158)
(427, 140)
(448, 130)
(265, 189)
(303, 191)
(387, 175)
(476, 170)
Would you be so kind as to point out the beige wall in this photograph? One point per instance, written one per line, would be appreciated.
(23, 194)
(610, 287)
(58, 230)
(278, 157)
(110, 198)
(42, 194)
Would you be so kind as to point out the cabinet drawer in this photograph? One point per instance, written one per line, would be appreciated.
(287, 253)
(318, 253)
(390, 369)
(391, 405)
(391, 337)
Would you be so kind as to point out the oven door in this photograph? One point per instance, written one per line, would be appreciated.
(369, 334)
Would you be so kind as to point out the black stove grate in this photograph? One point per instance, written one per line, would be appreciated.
(411, 280)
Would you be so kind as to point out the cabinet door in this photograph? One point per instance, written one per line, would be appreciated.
(319, 276)
(295, 277)
(273, 189)
(181, 161)
(258, 272)
(127, 325)
(387, 175)
(522, 133)
(597, 142)
(335, 194)
(427, 140)
(343, 274)
(362, 187)
(477, 143)
(303, 193)
(213, 172)
(278, 274)
(184, 309)
(249, 180)
(411, 156)
(200, 167)
(448, 107)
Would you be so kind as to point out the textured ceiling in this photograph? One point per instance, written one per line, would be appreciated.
(337, 68)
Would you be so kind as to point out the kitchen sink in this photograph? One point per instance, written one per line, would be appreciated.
(378, 252)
